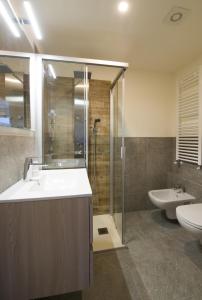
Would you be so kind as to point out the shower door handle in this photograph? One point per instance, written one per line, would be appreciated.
(122, 152)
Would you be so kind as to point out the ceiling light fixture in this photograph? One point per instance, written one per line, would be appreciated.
(33, 20)
(13, 28)
(52, 71)
(123, 6)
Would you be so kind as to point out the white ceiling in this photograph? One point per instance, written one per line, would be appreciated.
(95, 29)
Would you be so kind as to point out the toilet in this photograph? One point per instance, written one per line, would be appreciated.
(190, 217)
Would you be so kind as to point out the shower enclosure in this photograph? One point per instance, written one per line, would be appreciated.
(83, 127)
(76, 110)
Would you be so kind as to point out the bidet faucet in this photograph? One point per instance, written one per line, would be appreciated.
(179, 188)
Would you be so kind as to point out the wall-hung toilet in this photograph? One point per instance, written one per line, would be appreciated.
(169, 199)
(190, 217)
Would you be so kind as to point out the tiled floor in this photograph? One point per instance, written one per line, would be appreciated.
(162, 262)
(105, 241)
(167, 258)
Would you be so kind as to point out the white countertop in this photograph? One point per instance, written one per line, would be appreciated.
(51, 184)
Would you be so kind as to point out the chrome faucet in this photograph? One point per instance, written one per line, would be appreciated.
(179, 188)
(28, 162)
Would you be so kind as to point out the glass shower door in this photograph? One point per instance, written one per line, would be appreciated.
(117, 156)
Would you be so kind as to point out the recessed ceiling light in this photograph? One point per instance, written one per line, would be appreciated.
(13, 28)
(123, 6)
(33, 20)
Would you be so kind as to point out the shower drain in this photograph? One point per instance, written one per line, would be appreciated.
(103, 230)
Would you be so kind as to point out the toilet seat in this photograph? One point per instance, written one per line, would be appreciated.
(191, 215)
(190, 224)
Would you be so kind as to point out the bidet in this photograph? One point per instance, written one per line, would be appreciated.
(169, 199)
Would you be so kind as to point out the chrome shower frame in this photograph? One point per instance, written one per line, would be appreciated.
(120, 76)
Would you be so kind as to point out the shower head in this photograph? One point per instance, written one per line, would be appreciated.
(96, 121)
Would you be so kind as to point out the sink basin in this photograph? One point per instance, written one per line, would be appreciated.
(51, 184)
(169, 199)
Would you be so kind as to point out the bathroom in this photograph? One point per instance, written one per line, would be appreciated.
(104, 126)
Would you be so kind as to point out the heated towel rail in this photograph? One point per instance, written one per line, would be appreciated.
(189, 117)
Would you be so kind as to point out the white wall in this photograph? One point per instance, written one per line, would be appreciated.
(190, 66)
(150, 107)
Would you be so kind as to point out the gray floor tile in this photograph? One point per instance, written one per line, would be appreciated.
(167, 258)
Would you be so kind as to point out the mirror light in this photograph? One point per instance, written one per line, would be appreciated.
(33, 20)
(13, 28)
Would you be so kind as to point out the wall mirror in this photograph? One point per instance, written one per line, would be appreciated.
(14, 92)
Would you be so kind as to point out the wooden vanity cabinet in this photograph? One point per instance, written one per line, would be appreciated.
(45, 247)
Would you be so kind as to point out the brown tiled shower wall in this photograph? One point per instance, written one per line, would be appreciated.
(2, 86)
(99, 108)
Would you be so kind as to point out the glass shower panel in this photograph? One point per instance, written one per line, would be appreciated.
(64, 111)
(118, 159)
